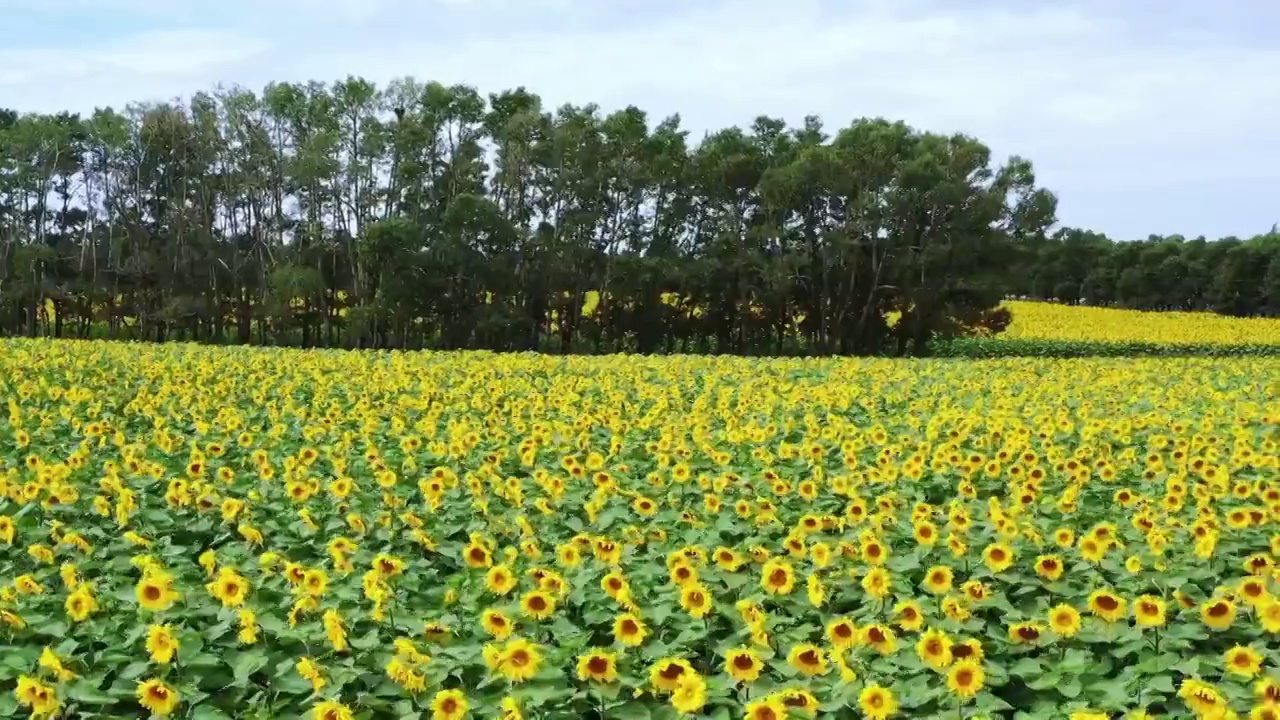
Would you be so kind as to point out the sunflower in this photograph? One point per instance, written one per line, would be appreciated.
(477, 555)
(880, 638)
(666, 672)
(27, 690)
(1203, 699)
(728, 559)
(1267, 691)
(690, 694)
(538, 605)
(155, 591)
(801, 701)
(682, 573)
(80, 604)
(925, 532)
(499, 580)
(966, 678)
(809, 659)
(51, 662)
(229, 587)
(614, 584)
(955, 609)
(161, 644)
(519, 660)
(629, 630)
(997, 557)
(1064, 620)
(815, 590)
(497, 624)
(157, 697)
(820, 554)
(976, 590)
(315, 582)
(1091, 549)
(330, 710)
(777, 577)
(874, 552)
(1025, 632)
(310, 671)
(1049, 567)
(696, 600)
(877, 702)
(743, 664)
(877, 582)
(909, 615)
(293, 572)
(970, 649)
(510, 709)
(1253, 590)
(449, 705)
(938, 580)
(1265, 712)
(1218, 613)
(435, 631)
(934, 648)
(1269, 615)
(1242, 661)
(1148, 611)
(1107, 605)
(568, 555)
(598, 666)
(770, 708)
(842, 633)
(41, 698)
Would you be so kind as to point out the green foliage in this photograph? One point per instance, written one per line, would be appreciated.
(420, 215)
(1230, 276)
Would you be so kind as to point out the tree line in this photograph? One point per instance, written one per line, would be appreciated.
(1231, 276)
(422, 215)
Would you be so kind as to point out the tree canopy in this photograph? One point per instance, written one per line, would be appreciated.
(420, 215)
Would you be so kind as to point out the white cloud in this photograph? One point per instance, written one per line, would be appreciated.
(150, 65)
(1090, 94)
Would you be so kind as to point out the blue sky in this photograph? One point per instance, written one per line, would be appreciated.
(1145, 116)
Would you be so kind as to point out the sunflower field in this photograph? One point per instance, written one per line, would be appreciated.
(1084, 323)
(203, 533)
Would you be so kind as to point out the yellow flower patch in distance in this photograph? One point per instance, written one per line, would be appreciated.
(205, 532)
(1084, 323)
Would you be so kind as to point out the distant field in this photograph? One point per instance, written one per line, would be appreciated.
(1051, 321)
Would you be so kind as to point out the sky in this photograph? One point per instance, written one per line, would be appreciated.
(1144, 116)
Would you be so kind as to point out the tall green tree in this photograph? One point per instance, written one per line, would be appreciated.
(426, 215)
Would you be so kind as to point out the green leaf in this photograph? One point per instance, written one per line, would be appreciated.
(630, 711)
(134, 670)
(1161, 684)
(1026, 667)
(205, 711)
(247, 663)
(83, 691)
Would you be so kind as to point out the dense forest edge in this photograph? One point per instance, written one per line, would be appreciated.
(424, 216)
